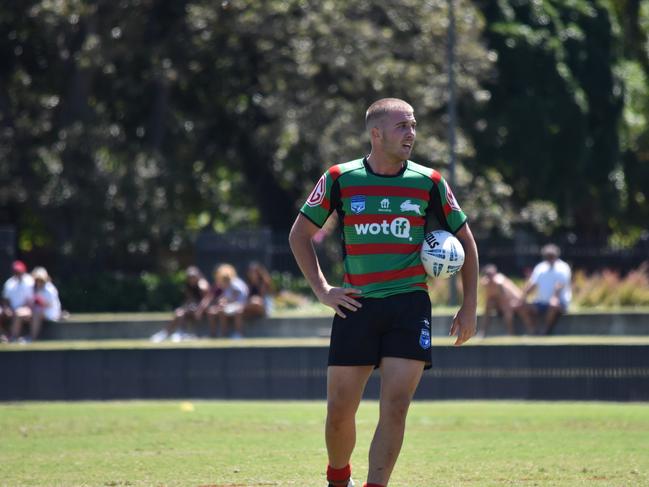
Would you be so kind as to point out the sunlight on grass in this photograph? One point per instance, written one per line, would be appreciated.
(191, 443)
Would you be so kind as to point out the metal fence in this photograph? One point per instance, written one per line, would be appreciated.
(543, 372)
(512, 256)
(515, 257)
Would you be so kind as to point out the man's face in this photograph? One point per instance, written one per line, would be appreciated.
(550, 258)
(398, 133)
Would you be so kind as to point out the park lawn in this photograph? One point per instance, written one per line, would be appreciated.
(134, 343)
(217, 443)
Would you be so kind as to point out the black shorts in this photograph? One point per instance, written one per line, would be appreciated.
(395, 326)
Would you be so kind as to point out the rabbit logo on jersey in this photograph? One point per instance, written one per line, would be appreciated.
(399, 227)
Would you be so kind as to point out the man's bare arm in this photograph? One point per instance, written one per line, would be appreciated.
(300, 240)
(464, 322)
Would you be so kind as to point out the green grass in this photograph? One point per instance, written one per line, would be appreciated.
(316, 342)
(281, 443)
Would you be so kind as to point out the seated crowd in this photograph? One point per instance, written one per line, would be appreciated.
(30, 299)
(549, 282)
(27, 300)
(225, 304)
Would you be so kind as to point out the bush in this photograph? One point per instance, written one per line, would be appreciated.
(603, 289)
(118, 292)
(608, 289)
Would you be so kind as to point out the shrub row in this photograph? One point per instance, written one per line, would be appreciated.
(115, 292)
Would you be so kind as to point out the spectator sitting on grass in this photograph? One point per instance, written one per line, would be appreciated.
(44, 305)
(195, 290)
(231, 303)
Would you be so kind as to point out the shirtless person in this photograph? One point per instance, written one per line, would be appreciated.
(502, 296)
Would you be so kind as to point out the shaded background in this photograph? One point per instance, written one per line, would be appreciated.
(137, 136)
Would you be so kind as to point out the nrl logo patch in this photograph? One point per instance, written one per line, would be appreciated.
(358, 204)
(424, 339)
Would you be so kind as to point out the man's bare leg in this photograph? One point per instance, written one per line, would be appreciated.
(551, 317)
(508, 317)
(22, 315)
(345, 385)
(37, 323)
(527, 313)
(399, 380)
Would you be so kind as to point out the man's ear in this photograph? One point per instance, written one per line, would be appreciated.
(376, 133)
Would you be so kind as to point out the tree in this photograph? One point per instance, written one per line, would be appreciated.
(631, 175)
(550, 126)
(126, 126)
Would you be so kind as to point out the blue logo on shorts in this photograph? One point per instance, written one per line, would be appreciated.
(424, 339)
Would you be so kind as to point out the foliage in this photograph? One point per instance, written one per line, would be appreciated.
(608, 289)
(121, 292)
(550, 124)
(287, 281)
(127, 126)
(118, 292)
(631, 175)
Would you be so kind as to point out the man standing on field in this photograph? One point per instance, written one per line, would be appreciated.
(383, 309)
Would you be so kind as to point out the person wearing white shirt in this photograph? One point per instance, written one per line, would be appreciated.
(231, 302)
(551, 279)
(44, 304)
(17, 293)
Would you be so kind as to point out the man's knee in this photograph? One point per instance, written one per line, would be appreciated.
(339, 413)
(395, 408)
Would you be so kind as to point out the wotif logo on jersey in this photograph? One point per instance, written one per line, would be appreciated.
(399, 227)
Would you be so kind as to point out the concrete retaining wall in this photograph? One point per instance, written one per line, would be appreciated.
(571, 324)
(539, 372)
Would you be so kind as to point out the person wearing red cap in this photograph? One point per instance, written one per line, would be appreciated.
(16, 295)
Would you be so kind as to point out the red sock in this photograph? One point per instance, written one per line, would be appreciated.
(371, 485)
(339, 476)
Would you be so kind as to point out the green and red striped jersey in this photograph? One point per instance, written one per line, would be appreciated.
(383, 220)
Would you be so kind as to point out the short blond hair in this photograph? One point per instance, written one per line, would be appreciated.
(40, 273)
(225, 272)
(382, 107)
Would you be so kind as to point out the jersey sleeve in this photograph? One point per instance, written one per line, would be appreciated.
(323, 199)
(444, 205)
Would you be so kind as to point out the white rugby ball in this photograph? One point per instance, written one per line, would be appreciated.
(442, 254)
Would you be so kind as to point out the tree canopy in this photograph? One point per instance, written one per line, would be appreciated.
(125, 127)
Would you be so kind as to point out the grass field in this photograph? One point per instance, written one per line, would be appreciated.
(315, 342)
(215, 443)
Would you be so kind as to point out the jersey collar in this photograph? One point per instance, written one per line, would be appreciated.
(368, 168)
